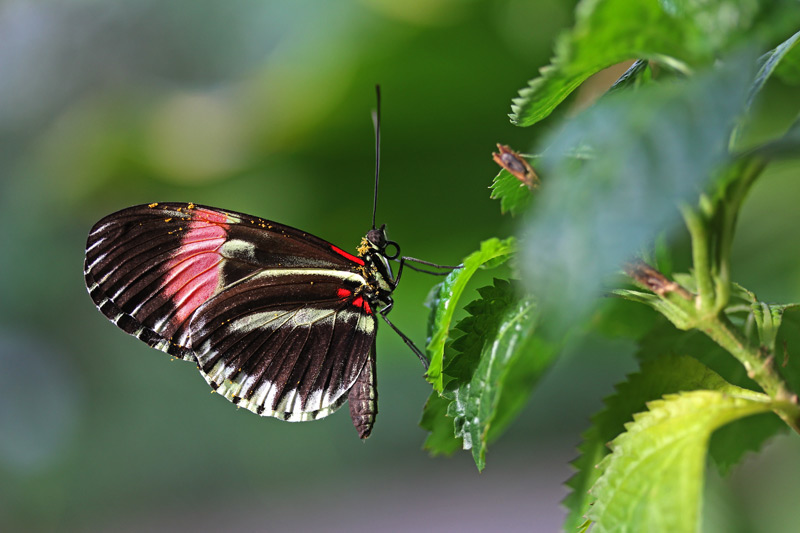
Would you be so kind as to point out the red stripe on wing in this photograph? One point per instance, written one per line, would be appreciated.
(351, 257)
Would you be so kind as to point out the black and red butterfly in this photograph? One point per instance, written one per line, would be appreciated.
(277, 320)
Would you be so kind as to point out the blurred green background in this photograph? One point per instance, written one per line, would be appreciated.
(263, 107)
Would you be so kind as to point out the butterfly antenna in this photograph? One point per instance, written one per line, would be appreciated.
(376, 121)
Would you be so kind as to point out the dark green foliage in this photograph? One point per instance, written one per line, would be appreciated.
(787, 347)
(730, 444)
(718, 376)
(492, 364)
(441, 438)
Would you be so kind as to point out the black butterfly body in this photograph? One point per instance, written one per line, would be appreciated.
(277, 320)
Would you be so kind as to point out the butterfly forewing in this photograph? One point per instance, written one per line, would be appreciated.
(270, 314)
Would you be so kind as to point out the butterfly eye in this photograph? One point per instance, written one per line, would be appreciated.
(377, 237)
(391, 250)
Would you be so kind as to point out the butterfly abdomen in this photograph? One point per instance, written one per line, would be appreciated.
(363, 398)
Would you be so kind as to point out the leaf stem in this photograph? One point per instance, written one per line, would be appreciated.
(700, 258)
(759, 363)
(676, 303)
(748, 167)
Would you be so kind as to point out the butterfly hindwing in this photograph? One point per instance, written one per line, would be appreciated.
(284, 343)
(270, 314)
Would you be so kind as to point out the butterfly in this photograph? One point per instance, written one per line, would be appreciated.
(278, 321)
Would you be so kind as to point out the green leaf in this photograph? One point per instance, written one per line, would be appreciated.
(733, 442)
(618, 318)
(441, 439)
(666, 141)
(665, 339)
(788, 70)
(501, 327)
(683, 35)
(492, 253)
(786, 51)
(729, 444)
(787, 146)
(514, 195)
(787, 347)
(663, 373)
(522, 372)
(653, 479)
(490, 372)
(636, 75)
(783, 61)
(664, 305)
(768, 320)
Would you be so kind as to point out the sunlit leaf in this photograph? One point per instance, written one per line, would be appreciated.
(492, 253)
(662, 374)
(653, 479)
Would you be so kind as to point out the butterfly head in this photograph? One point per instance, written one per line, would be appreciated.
(376, 241)
(377, 237)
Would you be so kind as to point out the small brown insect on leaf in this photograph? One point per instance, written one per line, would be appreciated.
(654, 280)
(517, 165)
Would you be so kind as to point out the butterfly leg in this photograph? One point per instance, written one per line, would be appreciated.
(408, 341)
(406, 261)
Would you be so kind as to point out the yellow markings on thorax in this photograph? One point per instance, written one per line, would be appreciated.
(364, 247)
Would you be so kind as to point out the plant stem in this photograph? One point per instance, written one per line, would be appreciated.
(678, 305)
(748, 168)
(702, 265)
(759, 364)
